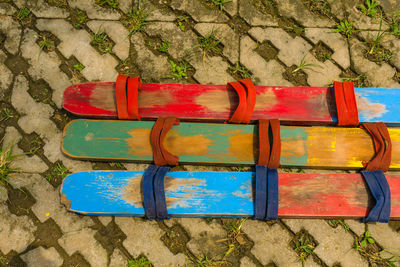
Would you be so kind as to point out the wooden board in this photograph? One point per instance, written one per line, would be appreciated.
(293, 105)
(316, 147)
(224, 194)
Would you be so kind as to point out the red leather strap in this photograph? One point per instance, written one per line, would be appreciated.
(161, 156)
(133, 104)
(267, 155)
(346, 104)
(246, 91)
(120, 88)
(251, 98)
(382, 146)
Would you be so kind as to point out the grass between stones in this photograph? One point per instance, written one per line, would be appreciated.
(6, 158)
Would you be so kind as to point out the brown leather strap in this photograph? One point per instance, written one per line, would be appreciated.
(160, 129)
(268, 155)
(382, 146)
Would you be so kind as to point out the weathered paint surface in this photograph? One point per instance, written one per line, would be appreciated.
(311, 105)
(317, 147)
(225, 194)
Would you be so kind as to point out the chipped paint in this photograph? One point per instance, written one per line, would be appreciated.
(368, 109)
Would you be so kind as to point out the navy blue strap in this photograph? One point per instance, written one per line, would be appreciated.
(266, 193)
(149, 203)
(159, 193)
(380, 190)
(260, 192)
(273, 195)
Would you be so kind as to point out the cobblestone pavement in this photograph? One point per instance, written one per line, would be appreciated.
(48, 45)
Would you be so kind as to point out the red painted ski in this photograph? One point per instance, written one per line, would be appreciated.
(205, 102)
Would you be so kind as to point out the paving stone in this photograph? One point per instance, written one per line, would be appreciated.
(95, 11)
(22, 162)
(143, 237)
(48, 205)
(264, 72)
(181, 42)
(385, 236)
(34, 115)
(272, 239)
(6, 9)
(3, 194)
(204, 237)
(337, 9)
(253, 16)
(389, 6)
(334, 244)
(378, 75)
(125, 5)
(42, 257)
(44, 66)
(334, 41)
(296, 10)
(361, 21)
(391, 43)
(356, 226)
(320, 73)
(105, 220)
(231, 7)
(77, 43)
(211, 70)
(83, 241)
(291, 50)
(12, 31)
(117, 32)
(16, 232)
(198, 11)
(226, 35)
(41, 9)
(5, 77)
(157, 14)
(135, 166)
(246, 262)
(153, 67)
(118, 259)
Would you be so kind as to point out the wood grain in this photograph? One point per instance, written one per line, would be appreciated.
(225, 194)
(314, 147)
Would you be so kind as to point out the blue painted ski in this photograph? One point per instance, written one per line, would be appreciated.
(223, 194)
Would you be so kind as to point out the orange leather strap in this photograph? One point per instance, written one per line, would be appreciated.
(120, 88)
(269, 149)
(246, 92)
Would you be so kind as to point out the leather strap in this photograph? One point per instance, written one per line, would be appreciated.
(267, 155)
(246, 92)
(260, 200)
(149, 202)
(160, 129)
(272, 195)
(380, 190)
(266, 200)
(159, 193)
(120, 90)
(382, 146)
(346, 104)
(134, 84)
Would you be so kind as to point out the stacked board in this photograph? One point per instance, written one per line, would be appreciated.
(295, 105)
(224, 194)
(207, 143)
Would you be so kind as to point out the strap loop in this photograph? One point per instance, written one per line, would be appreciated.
(380, 190)
(346, 104)
(154, 202)
(268, 155)
(127, 97)
(161, 156)
(246, 91)
(266, 193)
(382, 146)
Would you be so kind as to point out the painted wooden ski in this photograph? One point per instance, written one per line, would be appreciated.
(207, 143)
(224, 194)
(298, 105)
